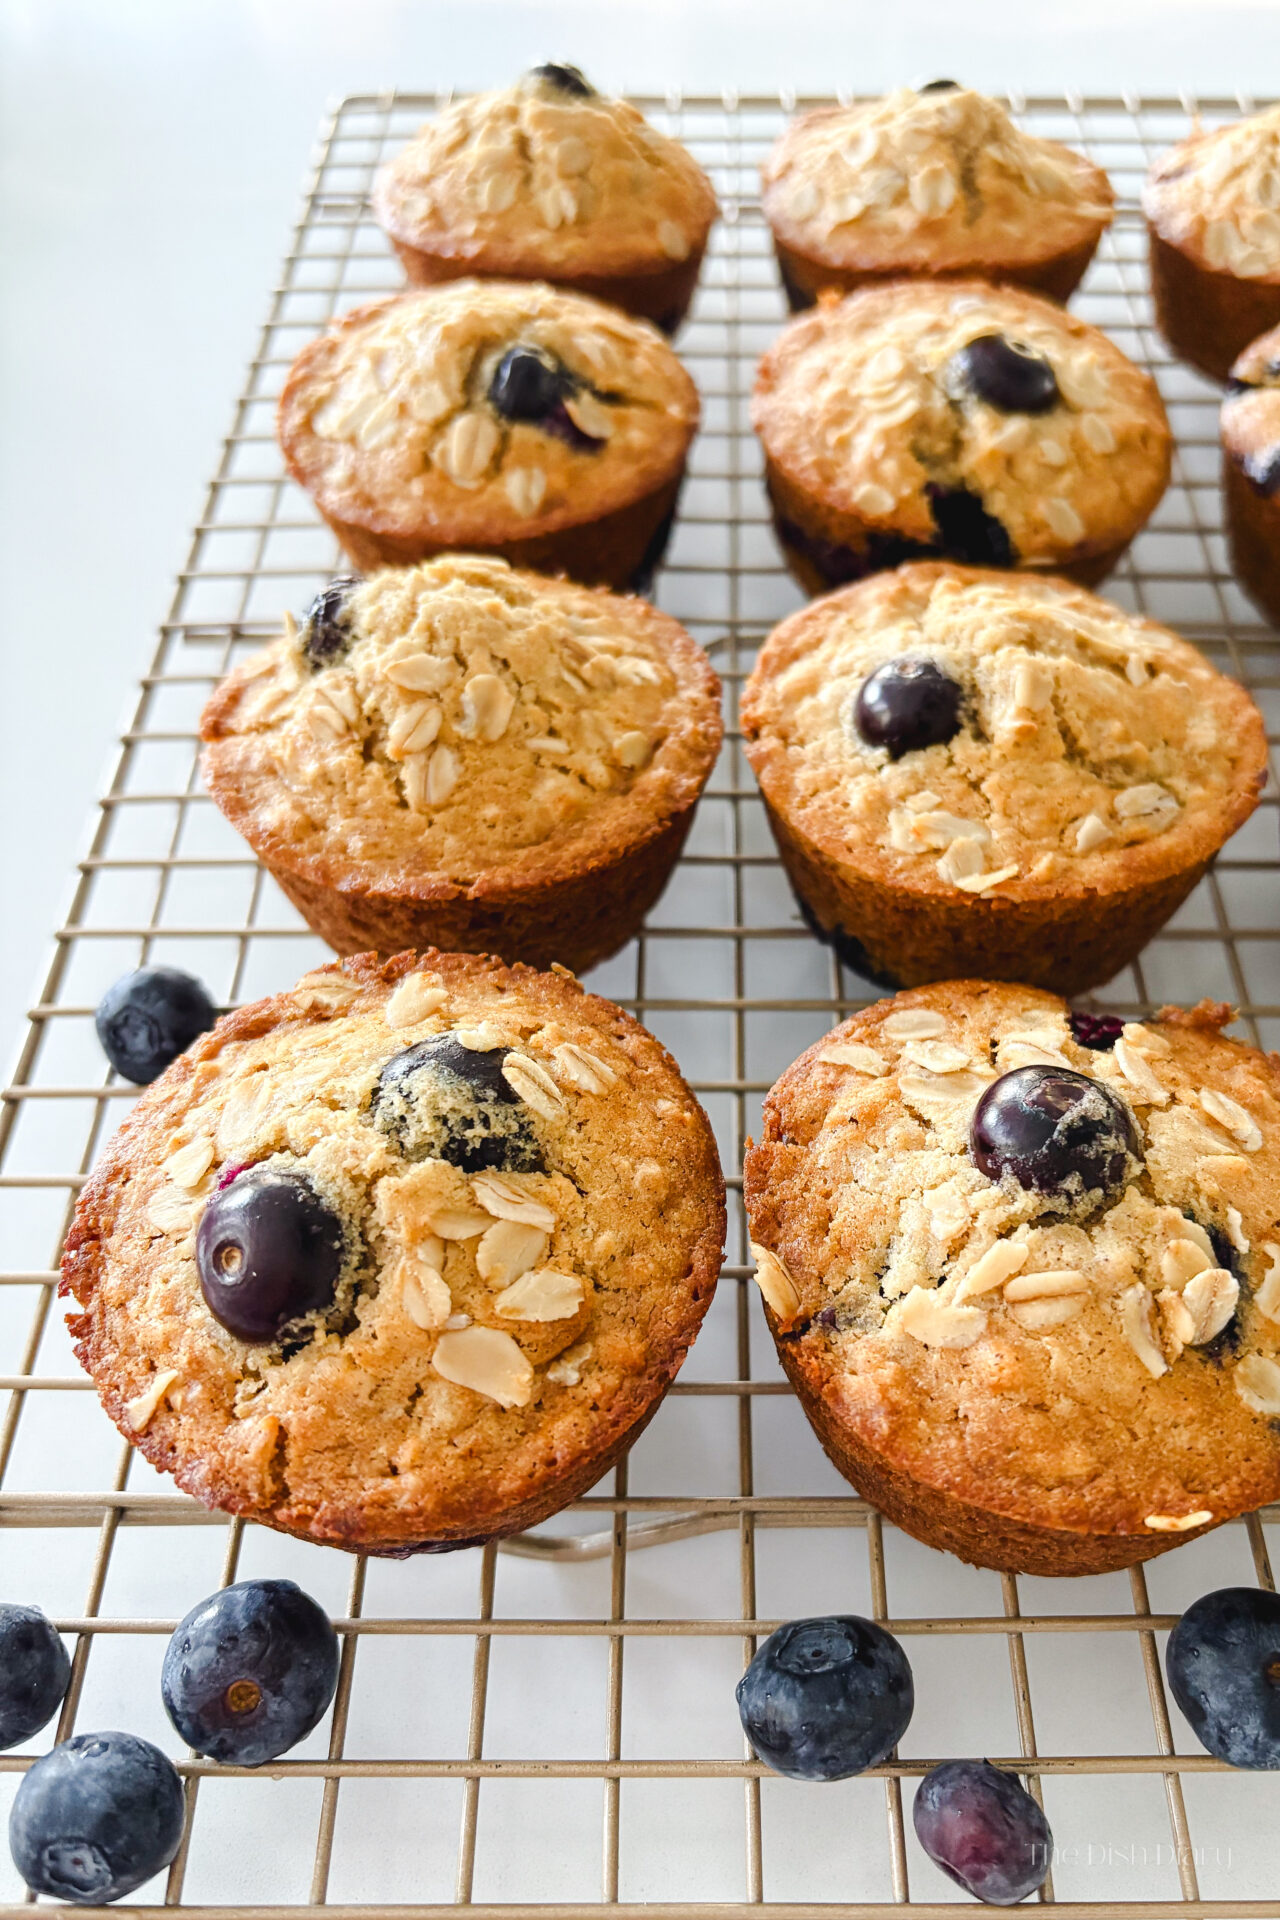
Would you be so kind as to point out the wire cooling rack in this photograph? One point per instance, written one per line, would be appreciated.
(550, 1729)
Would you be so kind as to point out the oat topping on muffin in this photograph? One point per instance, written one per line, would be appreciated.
(544, 177)
(1037, 1275)
(930, 181)
(408, 1246)
(980, 421)
(982, 730)
(1217, 194)
(484, 404)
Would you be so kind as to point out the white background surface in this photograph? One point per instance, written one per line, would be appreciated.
(151, 153)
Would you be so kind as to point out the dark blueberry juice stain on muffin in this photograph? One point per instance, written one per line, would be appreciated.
(966, 531)
(441, 1100)
(1008, 374)
(564, 79)
(939, 86)
(840, 565)
(1097, 1031)
(268, 1251)
(1055, 1132)
(531, 385)
(907, 704)
(326, 631)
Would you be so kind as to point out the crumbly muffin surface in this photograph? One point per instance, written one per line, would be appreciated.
(863, 405)
(1217, 195)
(936, 180)
(1108, 1361)
(388, 418)
(462, 720)
(1093, 747)
(536, 177)
(522, 1274)
(1251, 411)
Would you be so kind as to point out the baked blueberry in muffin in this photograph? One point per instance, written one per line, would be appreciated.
(1212, 205)
(494, 417)
(461, 755)
(979, 423)
(930, 183)
(403, 1258)
(969, 769)
(1250, 426)
(1028, 1289)
(551, 180)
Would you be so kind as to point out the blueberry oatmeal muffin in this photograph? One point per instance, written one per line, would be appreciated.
(1251, 470)
(464, 756)
(550, 180)
(1212, 207)
(930, 183)
(498, 417)
(1023, 1269)
(979, 423)
(965, 769)
(402, 1259)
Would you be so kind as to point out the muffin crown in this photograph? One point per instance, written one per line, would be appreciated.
(1086, 744)
(405, 408)
(1218, 193)
(940, 179)
(1251, 412)
(1099, 1357)
(535, 174)
(461, 718)
(874, 404)
(532, 1214)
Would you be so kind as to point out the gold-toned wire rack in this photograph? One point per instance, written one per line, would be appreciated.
(549, 1729)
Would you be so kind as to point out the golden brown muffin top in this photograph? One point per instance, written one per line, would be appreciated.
(461, 721)
(388, 420)
(866, 403)
(1093, 749)
(1216, 195)
(1251, 411)
(1106, 1358)
(490, 1325)
(931, 181)
(537, 178)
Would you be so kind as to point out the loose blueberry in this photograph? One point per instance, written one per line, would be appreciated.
(250, 1672)
(1223, 1662)
(565, 79)
(966, 531)
(441, 1100)
(1056, 1132)
(939, 86)
(528, 384)
(907, 704)
(1007, 374)
(984, 1830)
(95, 1818)
(1097, 1031)
(326, 631)
(1262, 471)
(268, 1250)
(826, 1698)
(149, 1017)
(34, 1671)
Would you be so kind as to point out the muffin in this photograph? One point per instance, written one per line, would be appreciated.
(463, 756)
(402, 1259)
(1250, 424)
(931, 183)
(550, 180)
(1023, 1271)
(965, 769)
(496, 416)
(1212, 207)
(978, 423)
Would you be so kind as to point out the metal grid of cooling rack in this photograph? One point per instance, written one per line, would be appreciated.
(549, 1729)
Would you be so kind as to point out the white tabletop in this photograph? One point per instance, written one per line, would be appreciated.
(152, 154)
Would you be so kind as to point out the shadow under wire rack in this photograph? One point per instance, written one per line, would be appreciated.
(549, 1729)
